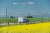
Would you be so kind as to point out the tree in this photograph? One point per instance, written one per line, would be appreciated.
(12, 17)
(29, 17)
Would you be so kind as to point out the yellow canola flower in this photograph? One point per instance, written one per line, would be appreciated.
(31, 28)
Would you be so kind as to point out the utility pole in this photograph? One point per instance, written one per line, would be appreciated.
(6, 17)
(6, 14)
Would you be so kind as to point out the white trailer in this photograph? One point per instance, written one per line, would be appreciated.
(22, 19)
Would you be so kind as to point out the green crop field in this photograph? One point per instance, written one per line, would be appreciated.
(39, 19)
(12, 20)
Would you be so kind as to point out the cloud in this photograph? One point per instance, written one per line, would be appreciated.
(15, 3)
(24, 3)
(28, 3)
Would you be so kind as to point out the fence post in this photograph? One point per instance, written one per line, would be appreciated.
(34, 21)
(14, 22)
(8, 23)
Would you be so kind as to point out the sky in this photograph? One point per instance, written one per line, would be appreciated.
(24, 7)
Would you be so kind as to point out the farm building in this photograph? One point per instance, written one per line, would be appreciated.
(22, 19)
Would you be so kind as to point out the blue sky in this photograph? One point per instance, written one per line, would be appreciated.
(23, 7)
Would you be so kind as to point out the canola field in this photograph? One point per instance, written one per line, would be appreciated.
(31, 28)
